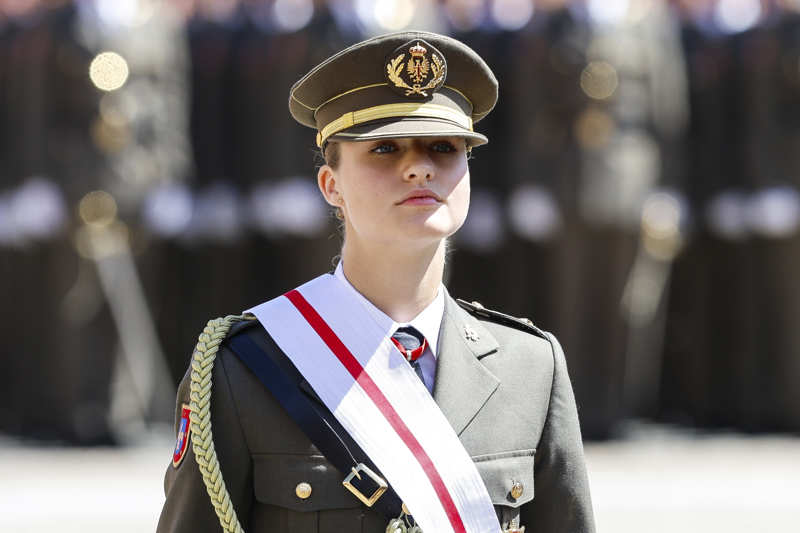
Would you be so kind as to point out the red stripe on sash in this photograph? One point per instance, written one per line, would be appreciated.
(360, 375)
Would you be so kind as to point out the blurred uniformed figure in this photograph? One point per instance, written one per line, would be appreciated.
(207, 241)
(8, 417)
(291, 230)
(42, 259)
(607, 105)
(11, 260)
(545, 96)
(141, 129)
(732, 351)
(770, 83)
(137, 142)
(711, 337)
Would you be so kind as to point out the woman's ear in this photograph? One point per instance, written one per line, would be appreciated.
(326, 181)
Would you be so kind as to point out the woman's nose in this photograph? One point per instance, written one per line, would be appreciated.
(420, 168)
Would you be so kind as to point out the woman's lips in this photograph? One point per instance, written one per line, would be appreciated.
(420, 200)
(421, 197)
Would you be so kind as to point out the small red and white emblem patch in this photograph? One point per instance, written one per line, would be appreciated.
(182, 444)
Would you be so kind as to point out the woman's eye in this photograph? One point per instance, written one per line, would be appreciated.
(443, 147)
(384, 148)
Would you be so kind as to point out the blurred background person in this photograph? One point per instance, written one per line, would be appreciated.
(730, 346)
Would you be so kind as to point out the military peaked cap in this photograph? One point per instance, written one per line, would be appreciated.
(406, 84)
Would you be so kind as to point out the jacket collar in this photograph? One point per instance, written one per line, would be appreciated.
(463, 384)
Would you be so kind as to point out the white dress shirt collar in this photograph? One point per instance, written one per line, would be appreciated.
(428, 321)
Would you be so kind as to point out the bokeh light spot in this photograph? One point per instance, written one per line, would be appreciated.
(599, 80)
(512, 15)
(109, 71)
(465, 15)
(734, 16)
(292, 15)
(661, 215)
(98, 208)
(394, 15)
(607, 12)
(661, 225)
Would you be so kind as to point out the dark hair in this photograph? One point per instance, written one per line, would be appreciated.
(332, 153)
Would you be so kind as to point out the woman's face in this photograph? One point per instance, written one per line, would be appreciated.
(412, 190)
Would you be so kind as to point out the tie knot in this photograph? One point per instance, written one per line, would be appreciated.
(410, 342)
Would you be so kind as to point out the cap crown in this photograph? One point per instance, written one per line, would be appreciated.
(418, 78)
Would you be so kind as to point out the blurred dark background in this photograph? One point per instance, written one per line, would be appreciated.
(639, 196)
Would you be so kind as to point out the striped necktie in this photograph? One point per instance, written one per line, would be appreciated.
(411, 344)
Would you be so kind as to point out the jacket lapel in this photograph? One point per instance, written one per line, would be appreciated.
(462, 385)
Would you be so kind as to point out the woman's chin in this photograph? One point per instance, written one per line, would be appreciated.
(440, 224)
(429, 232)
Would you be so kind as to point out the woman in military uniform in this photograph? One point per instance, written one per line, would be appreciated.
(369, 399)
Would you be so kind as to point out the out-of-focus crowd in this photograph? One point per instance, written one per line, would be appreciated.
(639, 195)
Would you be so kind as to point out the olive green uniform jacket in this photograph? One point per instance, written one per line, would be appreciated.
(503, 388)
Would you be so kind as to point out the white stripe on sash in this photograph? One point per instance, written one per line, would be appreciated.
(329, 337)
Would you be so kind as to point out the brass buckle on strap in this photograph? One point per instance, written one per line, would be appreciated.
(379, 481)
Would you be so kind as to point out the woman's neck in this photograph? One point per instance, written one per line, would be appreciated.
(399, 283)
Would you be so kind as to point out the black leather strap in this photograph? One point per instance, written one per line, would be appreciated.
(274, 369)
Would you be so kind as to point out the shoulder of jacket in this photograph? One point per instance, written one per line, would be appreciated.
(226, 326)
(522, 324)
(245, 322)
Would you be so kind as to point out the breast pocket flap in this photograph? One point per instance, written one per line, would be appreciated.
(300, 483)
(508, 476)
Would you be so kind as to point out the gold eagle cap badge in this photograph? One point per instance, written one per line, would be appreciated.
(416, 69)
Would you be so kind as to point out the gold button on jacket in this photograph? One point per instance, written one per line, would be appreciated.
(517, 490)
(303, 490)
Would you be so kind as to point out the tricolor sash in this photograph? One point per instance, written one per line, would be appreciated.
(354, 368)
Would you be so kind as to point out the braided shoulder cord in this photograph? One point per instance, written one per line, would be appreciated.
(205, 352)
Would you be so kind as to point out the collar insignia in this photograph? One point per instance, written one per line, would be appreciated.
(423, 72)
(471, 334)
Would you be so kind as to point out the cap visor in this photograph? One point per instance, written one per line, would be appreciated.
(408, 127)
